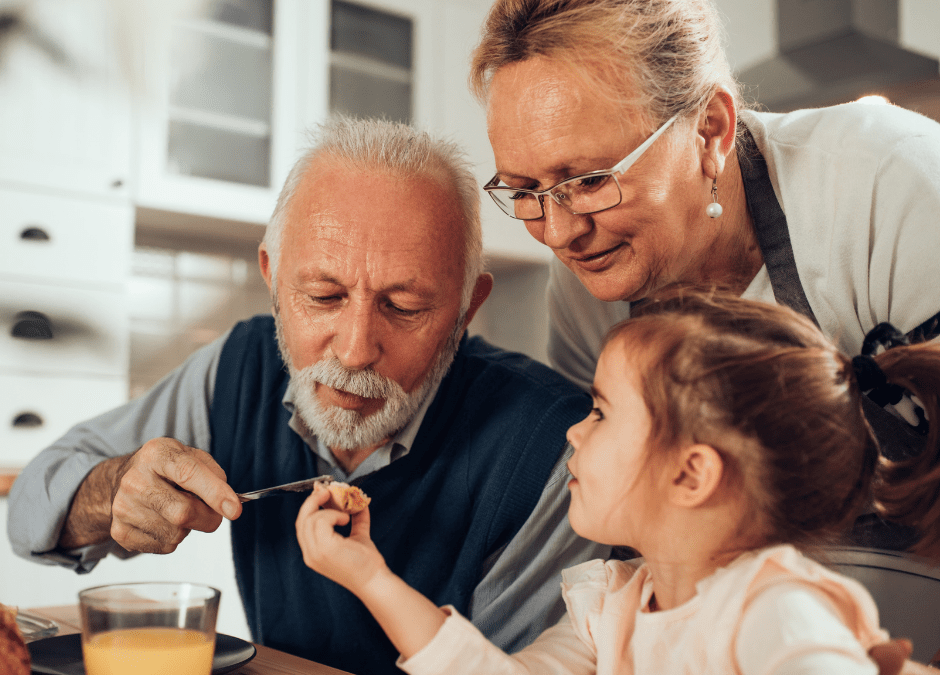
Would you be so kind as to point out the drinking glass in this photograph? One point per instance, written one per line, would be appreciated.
(149, 628)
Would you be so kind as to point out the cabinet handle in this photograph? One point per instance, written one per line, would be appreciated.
(27, 420)
(32, 326)
(34, 233)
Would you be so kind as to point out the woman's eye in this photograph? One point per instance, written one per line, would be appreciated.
(522, 195)
(598, 415)
(592, 182)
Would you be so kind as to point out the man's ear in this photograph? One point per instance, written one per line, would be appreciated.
(481, 291)
(716, 131)
(264, 262)
(696, 475)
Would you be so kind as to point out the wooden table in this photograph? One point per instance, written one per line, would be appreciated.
(266, 662)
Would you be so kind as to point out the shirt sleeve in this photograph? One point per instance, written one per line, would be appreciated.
(458, 648)
(905, 249)
(177, 407)
(519, 595)
(792, 630)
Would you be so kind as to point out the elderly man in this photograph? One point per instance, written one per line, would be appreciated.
(373, 258)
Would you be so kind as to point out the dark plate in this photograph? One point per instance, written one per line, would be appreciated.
(62, 654)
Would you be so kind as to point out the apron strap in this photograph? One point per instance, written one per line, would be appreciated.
(897, 438)
(770, 226)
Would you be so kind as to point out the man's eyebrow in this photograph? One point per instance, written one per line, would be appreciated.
(423, 292)
(403, 287)
(596, 393)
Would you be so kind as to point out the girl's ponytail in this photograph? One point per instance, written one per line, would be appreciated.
(907, 491)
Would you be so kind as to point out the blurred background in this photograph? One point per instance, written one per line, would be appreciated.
(143, 144)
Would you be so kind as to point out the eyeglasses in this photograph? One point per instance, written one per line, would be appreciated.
(587, 193)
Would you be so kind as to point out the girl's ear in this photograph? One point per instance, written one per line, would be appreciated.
(696, 475)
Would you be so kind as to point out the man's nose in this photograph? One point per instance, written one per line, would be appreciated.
(561, 227)
(355, 340)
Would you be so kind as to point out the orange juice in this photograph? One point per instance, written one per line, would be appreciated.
(149, 651)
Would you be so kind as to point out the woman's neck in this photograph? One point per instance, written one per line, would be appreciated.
(733, 257)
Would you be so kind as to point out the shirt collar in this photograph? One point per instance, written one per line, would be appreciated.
(396, 448)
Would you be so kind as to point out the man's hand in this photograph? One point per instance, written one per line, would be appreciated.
(349, 561)
(150, 500)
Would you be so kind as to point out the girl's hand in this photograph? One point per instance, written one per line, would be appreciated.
(408, 618)
(351, 561)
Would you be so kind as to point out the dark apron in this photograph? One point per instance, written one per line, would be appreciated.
(897, 439)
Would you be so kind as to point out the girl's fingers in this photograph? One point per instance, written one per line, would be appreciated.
(361, 522)
(314, 502)
(325, 520)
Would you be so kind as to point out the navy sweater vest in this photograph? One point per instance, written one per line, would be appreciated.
(476, 470)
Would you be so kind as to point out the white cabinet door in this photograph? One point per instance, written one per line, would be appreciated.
(65, 123)
(220, 132)
(62, 330)
(36, 410)
(55, 238)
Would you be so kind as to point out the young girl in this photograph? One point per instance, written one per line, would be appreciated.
(727, 435)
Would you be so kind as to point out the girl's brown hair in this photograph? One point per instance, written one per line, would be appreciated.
(762, 385)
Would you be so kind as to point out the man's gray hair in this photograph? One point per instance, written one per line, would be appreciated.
(398, 149)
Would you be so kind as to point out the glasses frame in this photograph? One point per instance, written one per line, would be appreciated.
(620, 167)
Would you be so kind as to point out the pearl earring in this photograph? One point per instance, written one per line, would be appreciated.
(714, 209)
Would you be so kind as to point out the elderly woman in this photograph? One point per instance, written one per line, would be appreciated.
(622, 143)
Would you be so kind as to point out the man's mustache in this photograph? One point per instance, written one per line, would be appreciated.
(365, 383)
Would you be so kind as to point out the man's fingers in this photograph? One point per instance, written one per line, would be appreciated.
(186, 469)
(210, 462)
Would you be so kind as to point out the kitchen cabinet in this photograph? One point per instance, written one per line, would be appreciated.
(63, 321)
(233, 101)
(66, 223)
(65, 116)
(219, 130)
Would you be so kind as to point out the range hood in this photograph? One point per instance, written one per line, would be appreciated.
(832, 51)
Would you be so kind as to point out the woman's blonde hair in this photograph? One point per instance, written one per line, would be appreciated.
(782, 405)
(661, 57)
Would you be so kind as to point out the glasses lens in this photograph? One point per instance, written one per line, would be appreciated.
(520, 205)
(588, 194)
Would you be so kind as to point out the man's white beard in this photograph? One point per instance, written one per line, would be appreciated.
(341, 429)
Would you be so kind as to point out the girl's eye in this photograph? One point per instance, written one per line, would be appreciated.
(598, 415)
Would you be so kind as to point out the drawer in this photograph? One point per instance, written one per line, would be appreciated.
(56, 238)
(63, 330)
(36, 410)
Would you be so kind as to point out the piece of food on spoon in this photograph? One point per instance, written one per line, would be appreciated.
(347, 498)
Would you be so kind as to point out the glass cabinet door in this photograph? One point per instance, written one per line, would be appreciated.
(220, 105)
(371, 62)
(219, 135)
